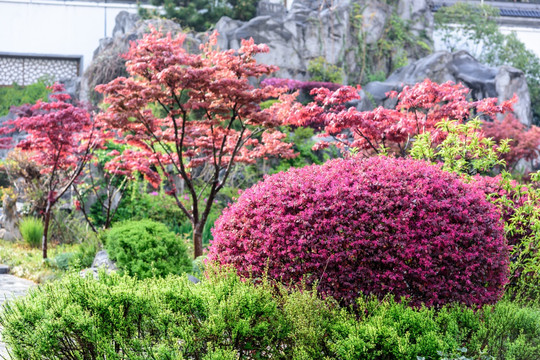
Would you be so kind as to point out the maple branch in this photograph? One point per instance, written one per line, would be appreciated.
(177, 200)
(359, 132)
(83, 210)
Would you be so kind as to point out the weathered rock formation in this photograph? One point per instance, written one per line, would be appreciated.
(460, 67)
(346, 33)
(349, 34)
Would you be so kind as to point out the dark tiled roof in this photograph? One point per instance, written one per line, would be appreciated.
(527, 13)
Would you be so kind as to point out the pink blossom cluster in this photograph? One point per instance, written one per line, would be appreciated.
(376, 226)
(305, 86)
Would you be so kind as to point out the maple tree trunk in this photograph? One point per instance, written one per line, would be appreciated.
(46, 222)
(197, 240)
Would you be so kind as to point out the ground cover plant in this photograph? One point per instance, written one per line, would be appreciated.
(31, 229)
(224, 317)
(28, 262)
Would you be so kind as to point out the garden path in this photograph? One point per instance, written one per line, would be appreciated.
(11, 287)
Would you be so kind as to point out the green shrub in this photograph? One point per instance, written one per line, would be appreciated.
(16, 95)
(320, 70)
(224, 317)
(31, 229)
(147, 248)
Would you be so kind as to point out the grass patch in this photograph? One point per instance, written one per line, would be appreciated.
(27, 262)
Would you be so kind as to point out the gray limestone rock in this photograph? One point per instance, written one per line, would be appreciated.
(102, 260)
(321, 28)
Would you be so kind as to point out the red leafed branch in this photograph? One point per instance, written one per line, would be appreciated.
(419, 108)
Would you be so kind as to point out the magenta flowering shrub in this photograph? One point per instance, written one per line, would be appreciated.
(379, 226)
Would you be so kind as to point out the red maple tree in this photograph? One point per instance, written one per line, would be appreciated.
(61, 138)
(191, 117)
(525, 142)
(419, 108)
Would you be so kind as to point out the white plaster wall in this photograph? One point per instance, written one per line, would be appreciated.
(56, 28)
(529, 36)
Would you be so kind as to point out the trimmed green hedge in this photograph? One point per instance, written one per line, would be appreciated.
(223, 317)
(146, 248)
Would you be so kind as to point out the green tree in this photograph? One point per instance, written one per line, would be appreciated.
(200, 15)
(476, 26)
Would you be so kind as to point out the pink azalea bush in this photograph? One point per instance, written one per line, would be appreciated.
(377, 226)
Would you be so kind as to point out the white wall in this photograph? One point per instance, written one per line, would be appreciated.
(55, 27)
(528, 35)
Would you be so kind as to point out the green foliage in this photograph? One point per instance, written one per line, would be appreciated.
(523, 225)
(224, 317)
(464, 150)
(301, 137)
(320, 70)
(31, 229)
(28, 262)
(16, 95)
(392, 50)
(186, 228)
(138, 204)
(81, 258)
(67, 226)
(146, 248)
(201, 15)
(479, 33)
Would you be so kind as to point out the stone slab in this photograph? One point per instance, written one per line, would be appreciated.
(4, 269)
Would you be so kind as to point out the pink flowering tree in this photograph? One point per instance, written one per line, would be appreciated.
(191, 117)
(61, 138)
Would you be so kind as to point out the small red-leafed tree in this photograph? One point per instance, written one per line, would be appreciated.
(61, 138)
(524, 144)
(418, 110)
(191, 117)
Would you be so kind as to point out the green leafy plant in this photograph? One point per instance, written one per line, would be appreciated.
(146, 248)
(31, 229)
(320, 70)
(464, 148)
(17, 95)
(200, 15)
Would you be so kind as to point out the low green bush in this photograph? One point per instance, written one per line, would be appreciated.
(146, 248)
(31, 229)
(224, 317)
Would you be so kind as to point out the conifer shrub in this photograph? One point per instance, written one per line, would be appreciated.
(223, 317)
(376, 226)
(146, 248)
